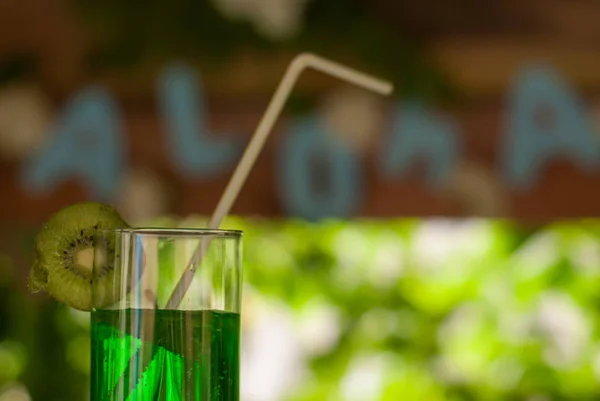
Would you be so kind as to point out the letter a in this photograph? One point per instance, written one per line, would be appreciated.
(86, 143)
(530, 143)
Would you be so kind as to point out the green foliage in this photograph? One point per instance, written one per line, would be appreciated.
(442, 310)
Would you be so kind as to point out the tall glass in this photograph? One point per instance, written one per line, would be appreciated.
(142, 351)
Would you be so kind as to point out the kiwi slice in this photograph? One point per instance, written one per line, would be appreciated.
(64, 255)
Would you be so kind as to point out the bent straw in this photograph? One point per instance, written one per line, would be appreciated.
(296, 67)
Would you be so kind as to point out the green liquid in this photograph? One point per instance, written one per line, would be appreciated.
(155, 355)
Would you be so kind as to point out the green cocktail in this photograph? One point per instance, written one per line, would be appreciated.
(144, 348)
(205, 368)
(165, 325)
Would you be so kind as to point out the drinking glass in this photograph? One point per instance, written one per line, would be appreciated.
(144, 351)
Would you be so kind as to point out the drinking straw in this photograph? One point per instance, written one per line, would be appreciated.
(296, 67)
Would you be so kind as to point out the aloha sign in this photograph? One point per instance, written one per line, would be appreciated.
(545, 119)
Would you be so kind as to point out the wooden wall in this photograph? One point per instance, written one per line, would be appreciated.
(479, 58)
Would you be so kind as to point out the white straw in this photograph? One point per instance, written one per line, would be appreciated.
(296, 67)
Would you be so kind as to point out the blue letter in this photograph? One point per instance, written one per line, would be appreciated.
(86, 142)
(531, 142)
(192, 149)
(417, 133)
(318, 175)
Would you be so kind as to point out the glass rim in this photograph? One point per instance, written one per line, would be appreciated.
(176, 232)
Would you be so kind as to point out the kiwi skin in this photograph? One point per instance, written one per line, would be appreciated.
(57, 268)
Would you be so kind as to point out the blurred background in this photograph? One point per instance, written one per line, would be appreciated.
(440, 244)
